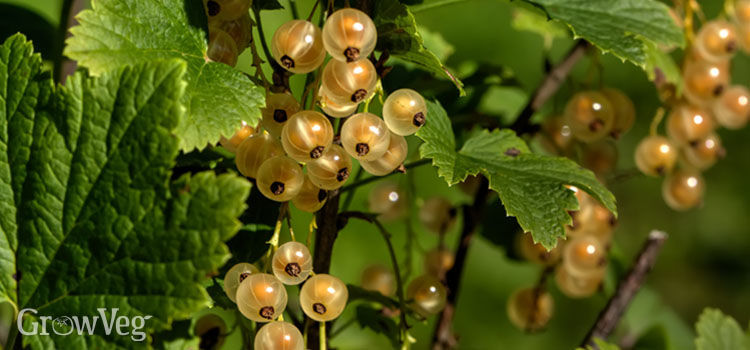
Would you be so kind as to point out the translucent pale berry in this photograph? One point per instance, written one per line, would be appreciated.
(600, 157)
(576, 286)
(256, 149)
(279, 108)
(240, 135)
(380, 279)
(298, 46)
(716, 41)
(557, 137)
(351, 82)
(404, 111)
(397, 151)
(530, 309)
(388, 200)
(683, 189)
(279, 336)
(535, 252)
(334, 109)
(235, 276)
(584, 256)
(365, 136)
(428, 295)
(743, 31)
(438, 261)
(703, 153)
(292, 263)
(349, 35)
(221, 47)
(742, 11)
(704, 81)
(686, 124)
(437, 214)
(593, 219)
(240, 30)
(332, 170)
(589, 115)
(655, 155)
(211, 326)
(624, 111)
(306, 136)
(261, 297)
(280, 178)
(310, 198)
(226, 10)
(323, 297)
(732, 109)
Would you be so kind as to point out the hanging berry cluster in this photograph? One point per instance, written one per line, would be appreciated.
(229, 29)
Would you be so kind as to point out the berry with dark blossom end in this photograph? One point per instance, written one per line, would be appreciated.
(306, 136)
(323, 297)
(298, 47)
(590, 116)
(331, 171)
(311, 197)
(365, 136)
(279, 108)
(280, 178)
(404, 111)
(346, 83)
(235, 276)
(261, 297)
(292, 263)
(349, 35)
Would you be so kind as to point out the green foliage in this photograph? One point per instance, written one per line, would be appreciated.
(601, 345)
(621, 27)
(375, 320)
(87, 209)
(661, 66)
(16, 19)
(717, 331)
(531, 186)
(119, 32)
(532, 21)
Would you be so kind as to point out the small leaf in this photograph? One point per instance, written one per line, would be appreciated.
(535, 22)
(661, 67)
(531, 186)
(369, 317)
(122, 32)
(621, 27)
(717, 331)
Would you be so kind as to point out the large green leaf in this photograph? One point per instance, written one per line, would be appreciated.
(531, 186)
(120, 32)
(87, 207)
(622, 27)
(717, 331)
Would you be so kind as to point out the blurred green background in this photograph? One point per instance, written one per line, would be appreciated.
(705, 262)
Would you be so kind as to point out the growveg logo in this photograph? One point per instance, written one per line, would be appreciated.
(85, 325)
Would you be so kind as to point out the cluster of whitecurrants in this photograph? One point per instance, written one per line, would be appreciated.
(262, 297)
(592, 123)
(709, 102)
(289, 135)
(579, 263)
(229, 29)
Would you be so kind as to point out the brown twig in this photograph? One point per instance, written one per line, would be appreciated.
(626, 289)
(472, 218)
(549, 87)
(65, 67)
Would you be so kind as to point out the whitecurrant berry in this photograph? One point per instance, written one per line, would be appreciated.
(600, 157)
(323, 297)
(280, 178)
(624, 111)
(438, 261)
(306, 136)
(213, 327)
(584, 256)
(292, 263)
(716, 41)
(703, 153)
(577, 286)
(655, 155)
(683, 189)
(589, 115)
(297, 46)
(704, 81)
(279, 336)
(428, 295)
(742, 11)
(256, 149)
(349, 35)
(334, 109)
(530, 309)
(240, 135)
(240, 30)
(437, 214)
(535, 252)
(261, 297)
(556, 136)
(686, 124)
(351, 82)
(365, 136)
(404, 111)
(388, 200)
(380, 279)
(221, 47)
(226, 10)
(732, 109)
(394, 157)
(279, 108)
(332, 170)
(235, 276)
(593, 219)
(311, 197)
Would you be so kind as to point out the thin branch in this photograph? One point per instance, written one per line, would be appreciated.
(549, 87)
(370, 179)
(70, 8)
(626, 289)
(280, 75)
(472, 218)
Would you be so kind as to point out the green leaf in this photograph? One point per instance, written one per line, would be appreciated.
(660, 66)
(535, 22)
(717, 331)
(398, 34)
(87, 204)
(16, 19)
(621, 27)
(372, 318)
(531, 186)
(120, 32)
